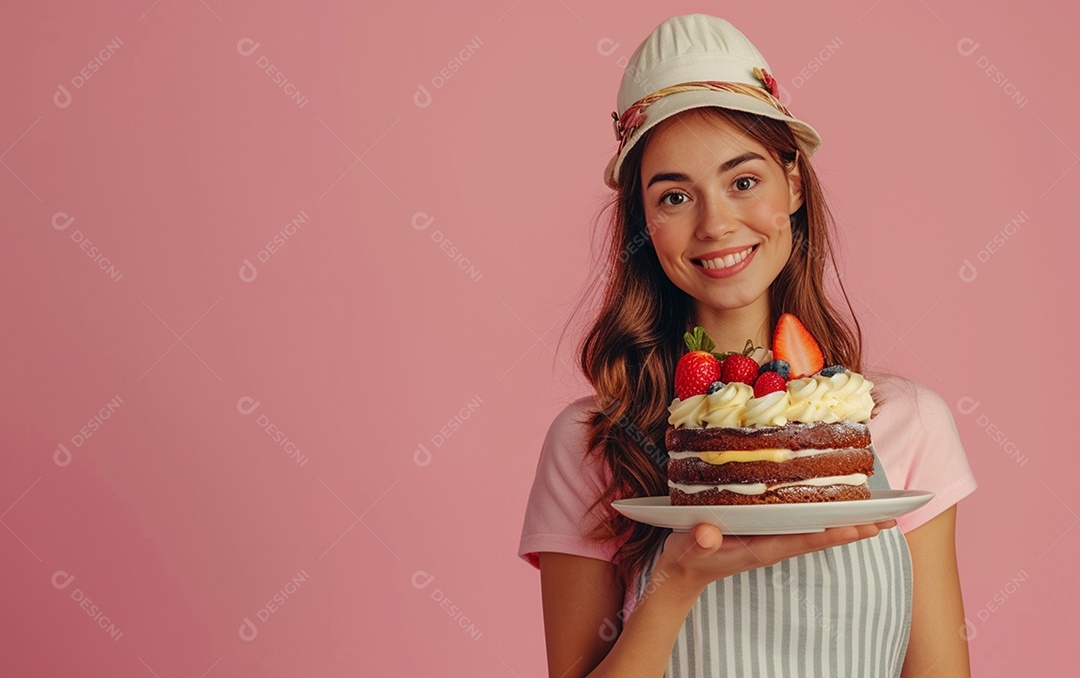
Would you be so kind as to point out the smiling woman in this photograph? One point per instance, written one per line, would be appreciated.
(712, 223)
(719, 221)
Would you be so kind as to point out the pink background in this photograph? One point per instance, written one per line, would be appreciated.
(440, 250)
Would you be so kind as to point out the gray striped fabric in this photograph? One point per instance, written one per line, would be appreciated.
(845, 611)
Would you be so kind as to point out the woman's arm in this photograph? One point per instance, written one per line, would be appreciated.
(582, 600)
(937, 646)
(582, 624)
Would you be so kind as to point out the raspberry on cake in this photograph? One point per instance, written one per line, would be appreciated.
(776, 441)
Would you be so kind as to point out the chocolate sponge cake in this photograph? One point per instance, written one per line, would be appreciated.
(782, 432)
(778, 464)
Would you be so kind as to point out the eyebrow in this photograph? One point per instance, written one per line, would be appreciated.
(678, 176)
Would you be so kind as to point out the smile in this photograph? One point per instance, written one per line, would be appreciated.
(725, 261)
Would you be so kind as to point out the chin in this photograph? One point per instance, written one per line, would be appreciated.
(730, 300)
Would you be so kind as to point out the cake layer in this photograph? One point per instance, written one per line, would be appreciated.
(793, 436)
(797, 494)
(834, 463)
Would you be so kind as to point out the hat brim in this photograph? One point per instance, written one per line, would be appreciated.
(806, 137)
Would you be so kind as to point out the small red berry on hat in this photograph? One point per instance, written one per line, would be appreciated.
(769, 382)
(698, 368)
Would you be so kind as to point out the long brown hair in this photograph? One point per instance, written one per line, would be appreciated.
(629, 354)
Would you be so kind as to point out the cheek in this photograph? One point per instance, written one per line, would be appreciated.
(663, 234)
(771, 219)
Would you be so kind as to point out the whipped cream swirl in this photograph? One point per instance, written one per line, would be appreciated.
(844, 396)
(726, 407)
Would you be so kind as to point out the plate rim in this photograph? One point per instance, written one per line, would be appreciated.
(751, 519)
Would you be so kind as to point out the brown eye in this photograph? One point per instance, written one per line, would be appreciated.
(673, 199)
(745, 183)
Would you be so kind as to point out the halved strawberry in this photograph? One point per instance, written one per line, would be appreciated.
(698, 368)
(794, 343)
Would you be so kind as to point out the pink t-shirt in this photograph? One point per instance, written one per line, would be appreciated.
(913, 433)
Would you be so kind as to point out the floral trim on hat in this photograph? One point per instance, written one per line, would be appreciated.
(634, 116)
(769, 81)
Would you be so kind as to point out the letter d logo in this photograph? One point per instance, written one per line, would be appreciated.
(62, 457)
(248, 272)
(421, 579)
(61, 579)
(421, 220)
(62, 98)
(246, 46)
(608, 632)
(968, 273)
(421, 456)
(61, 220)
(967, 46)
(246, 404)
(606, 46)
(248, 630)
(422, 98)
(967, 404)
(785, 96)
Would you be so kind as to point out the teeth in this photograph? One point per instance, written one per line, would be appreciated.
(726, 261)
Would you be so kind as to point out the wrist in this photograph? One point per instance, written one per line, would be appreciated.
(676, 580)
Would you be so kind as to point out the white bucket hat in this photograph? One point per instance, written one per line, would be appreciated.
(696, 61)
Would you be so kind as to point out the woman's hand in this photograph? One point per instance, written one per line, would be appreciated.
(692, 560)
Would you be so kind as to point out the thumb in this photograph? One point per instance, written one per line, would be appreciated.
(708, 537)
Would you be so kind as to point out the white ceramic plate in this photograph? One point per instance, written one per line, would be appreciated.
(774, 518)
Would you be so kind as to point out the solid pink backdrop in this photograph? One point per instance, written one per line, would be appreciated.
(285, 290)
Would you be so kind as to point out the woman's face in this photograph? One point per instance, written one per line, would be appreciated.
(717, 206)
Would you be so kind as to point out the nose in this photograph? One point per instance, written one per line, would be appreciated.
(714, 219)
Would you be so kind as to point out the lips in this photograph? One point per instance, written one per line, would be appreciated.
(726, 259)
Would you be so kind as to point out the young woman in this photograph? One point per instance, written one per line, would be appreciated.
(719, 221)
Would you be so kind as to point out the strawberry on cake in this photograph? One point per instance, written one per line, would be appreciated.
(788, 431)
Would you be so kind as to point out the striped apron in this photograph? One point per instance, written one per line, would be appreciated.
(844, 611)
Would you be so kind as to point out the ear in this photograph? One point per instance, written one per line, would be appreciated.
(795, 189)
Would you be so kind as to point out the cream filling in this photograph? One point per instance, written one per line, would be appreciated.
(762, 488)
(775, 454)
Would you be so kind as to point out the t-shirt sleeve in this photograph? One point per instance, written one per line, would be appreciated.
(916, 438)
(557, 516)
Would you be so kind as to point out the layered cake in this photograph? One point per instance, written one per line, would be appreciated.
(787, 431)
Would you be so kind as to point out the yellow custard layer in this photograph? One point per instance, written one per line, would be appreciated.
(776, 454)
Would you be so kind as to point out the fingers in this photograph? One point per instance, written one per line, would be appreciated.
(833, 536)
(707, 537)
(704, 554)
